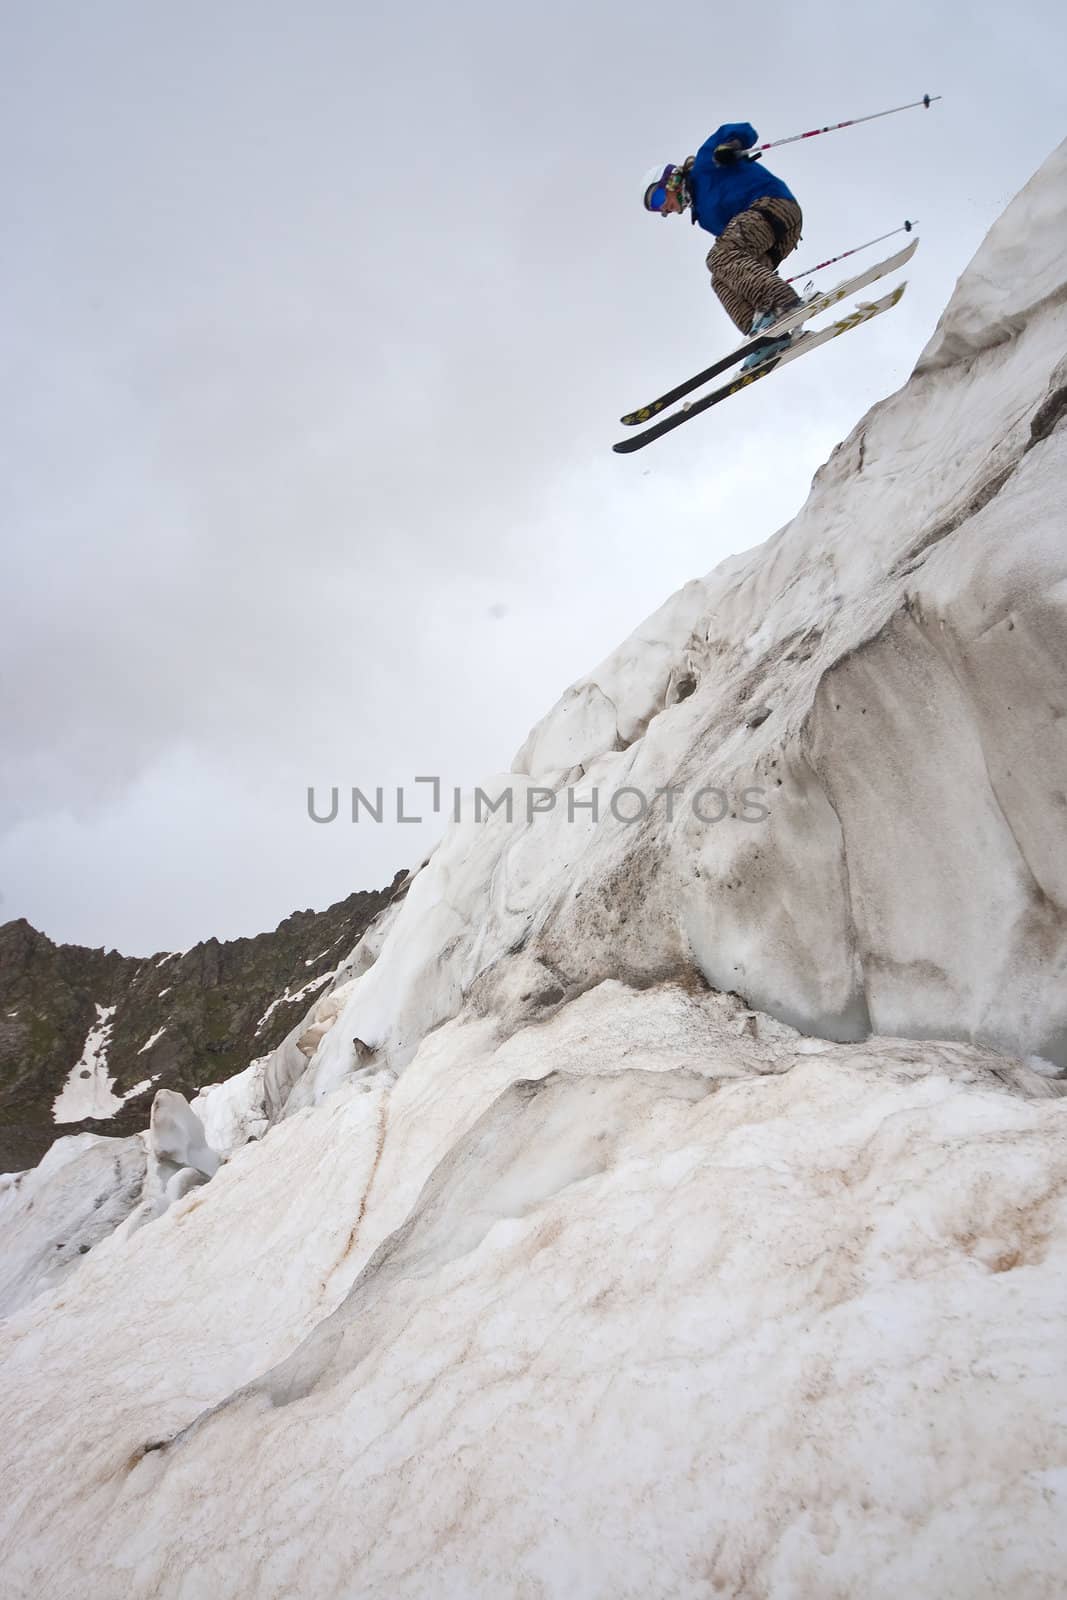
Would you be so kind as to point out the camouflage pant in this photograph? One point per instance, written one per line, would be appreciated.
(743, 259)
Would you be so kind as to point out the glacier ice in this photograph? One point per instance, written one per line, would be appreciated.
(179, 1157)
(51, 1216)
(177, 1135)
(652, 1289)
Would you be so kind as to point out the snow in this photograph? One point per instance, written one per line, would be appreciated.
(179, 1160)
(1047, 1069)
(235, 1111)
(1017, 272)
(152, 1039)
(641, 1300)
(660, 1209)
(288, 999)
(162, 992)
(178, 1136)
(87, 1091)
(52, 1216)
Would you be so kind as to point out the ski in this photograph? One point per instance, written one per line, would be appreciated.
(794, 319)
(807, 341)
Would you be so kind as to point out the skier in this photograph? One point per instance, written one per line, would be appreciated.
(757, 222)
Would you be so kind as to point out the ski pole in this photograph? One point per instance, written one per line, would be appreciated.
(926, 101)
(854, 251)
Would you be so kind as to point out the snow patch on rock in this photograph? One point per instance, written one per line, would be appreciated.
(288, 999)
(87, 1091)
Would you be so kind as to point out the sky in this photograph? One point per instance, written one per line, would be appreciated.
(317, 323)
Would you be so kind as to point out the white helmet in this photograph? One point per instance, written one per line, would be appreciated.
(661, 181)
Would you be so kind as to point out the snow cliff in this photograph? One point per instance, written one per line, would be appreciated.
(666, 1207)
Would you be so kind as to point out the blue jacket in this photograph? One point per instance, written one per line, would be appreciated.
(719, 193)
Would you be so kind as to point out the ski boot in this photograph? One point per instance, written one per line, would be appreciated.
(774, 347)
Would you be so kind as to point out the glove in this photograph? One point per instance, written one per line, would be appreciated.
(727, 154)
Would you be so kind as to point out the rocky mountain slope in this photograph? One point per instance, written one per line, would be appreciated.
(168, 1021)
(668, 1197)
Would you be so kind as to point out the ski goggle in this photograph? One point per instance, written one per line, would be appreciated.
(657, 192)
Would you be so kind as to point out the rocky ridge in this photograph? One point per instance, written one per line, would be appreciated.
(177, 1021)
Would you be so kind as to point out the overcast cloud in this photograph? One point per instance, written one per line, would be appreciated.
(317, 325)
